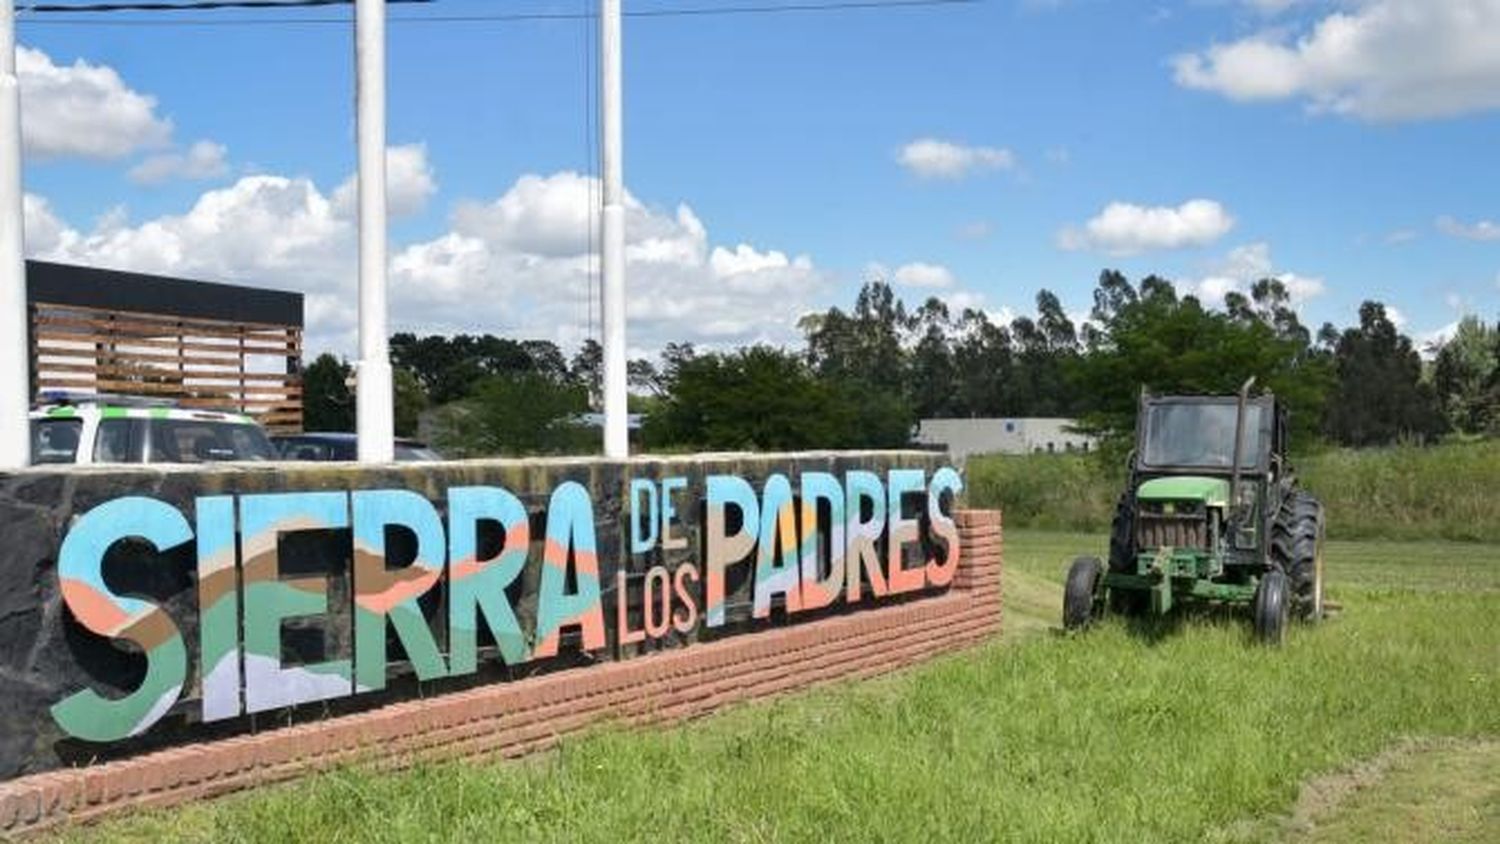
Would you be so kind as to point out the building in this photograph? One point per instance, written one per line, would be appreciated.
(965, 437)
(198, 344)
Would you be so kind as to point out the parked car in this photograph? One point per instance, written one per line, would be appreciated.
(342, 445)
(123, 429)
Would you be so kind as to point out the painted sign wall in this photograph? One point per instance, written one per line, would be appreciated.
(186, 605)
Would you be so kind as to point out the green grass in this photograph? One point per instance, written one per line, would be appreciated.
(1439, 492)
(1181, 732)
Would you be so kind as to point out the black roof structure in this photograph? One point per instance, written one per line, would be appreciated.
(116, 290)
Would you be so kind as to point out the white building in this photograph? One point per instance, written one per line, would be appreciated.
(965, 437)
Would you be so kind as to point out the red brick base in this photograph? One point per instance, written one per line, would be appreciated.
(513, 719)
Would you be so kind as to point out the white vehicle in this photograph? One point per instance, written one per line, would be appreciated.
(117, 429)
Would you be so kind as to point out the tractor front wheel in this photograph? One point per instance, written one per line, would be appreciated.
(1079, 593)
(1272, 607)
(1126, 602)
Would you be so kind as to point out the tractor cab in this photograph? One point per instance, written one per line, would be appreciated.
(1198, 493)
(1210, 512)
(1186, 434)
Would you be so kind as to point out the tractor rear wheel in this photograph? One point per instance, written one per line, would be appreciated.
(1271, 608)
(1122, 558)
(1297, 549)
(1078, 594)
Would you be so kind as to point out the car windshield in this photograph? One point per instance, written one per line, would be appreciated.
(55, 440)
(1199, 434)
(206, 440)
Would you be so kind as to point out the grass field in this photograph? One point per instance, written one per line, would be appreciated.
(1441, 492)
(1175, 732)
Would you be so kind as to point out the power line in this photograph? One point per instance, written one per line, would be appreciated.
(499, 17)
(185, 5)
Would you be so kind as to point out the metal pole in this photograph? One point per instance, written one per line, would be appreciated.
(15, 367)
(374, 412)
(616, 433)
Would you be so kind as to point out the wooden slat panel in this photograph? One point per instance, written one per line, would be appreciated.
(226, 359)
(188, 345)
(132, 326)
(197, 376)
(143, 316)
(198, 363)
(155, 342)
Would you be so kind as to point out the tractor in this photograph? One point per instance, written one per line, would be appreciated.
(1212, 513)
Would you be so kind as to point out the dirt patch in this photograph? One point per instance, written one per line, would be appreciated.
(1423, 790)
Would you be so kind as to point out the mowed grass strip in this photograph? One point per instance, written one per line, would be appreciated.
(1117, 735)
(1416, 793)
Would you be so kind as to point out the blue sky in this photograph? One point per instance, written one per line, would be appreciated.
(966, 151)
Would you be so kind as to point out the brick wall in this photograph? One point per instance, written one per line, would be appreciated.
(513, 719)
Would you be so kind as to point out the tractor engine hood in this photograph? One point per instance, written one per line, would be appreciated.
(1213, 492)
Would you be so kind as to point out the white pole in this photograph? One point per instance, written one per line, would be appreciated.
(616, 433)
(374, 413)
(15, 366)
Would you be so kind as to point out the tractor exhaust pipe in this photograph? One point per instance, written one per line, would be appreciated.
(1239, 437)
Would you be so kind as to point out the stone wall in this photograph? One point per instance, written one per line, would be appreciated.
(169, 632)
(516, 718)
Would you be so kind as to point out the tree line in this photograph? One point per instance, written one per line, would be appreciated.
(865, 375)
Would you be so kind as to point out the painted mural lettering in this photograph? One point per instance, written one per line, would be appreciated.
(791, 547)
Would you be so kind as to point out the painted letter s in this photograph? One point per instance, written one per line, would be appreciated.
(80, 570)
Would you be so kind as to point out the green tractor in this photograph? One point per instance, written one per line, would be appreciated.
(1212, 513)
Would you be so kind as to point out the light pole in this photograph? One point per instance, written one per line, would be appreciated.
(15, 368)
(374, 413)
(612, 228)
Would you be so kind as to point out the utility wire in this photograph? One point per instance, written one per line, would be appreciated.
(498, 17)
(186, 5)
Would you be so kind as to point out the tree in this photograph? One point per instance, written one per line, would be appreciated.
(984, 366)
(931, 374)
(765, 398)
(513, 414)
(1170, 344)
(588, 370)
(863, 347)
(1462, 373)
(1380, 396)
(409, 402)
(1047, 350)
(447, 368)
(327, 404)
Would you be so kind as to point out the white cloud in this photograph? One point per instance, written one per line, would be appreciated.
(202, 160)
(1395, 315)
(932, 158)
(409, 183)
(745, 260)
(1126, 229)
(83, 110)
(1243, 267)
(1380, 60)
(1399, 236)
(924, 275)
(1429, 343)
(286, 233)
(1478, 230)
